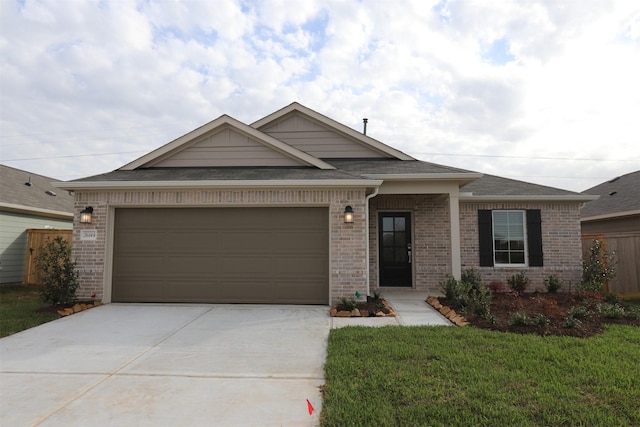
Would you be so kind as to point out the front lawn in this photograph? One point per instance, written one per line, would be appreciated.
(452, 376)
(17, 305)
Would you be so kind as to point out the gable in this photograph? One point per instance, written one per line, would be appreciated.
(317, 139)
(225, 142)
(225, 147)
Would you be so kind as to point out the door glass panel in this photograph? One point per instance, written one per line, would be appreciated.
(387, 224)
(399, 224)
(400, 240)
(387, 239)
(388, 255)
(401, 255)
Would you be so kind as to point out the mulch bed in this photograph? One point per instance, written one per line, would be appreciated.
(554, 306)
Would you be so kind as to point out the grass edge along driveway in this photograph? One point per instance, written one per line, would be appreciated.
(17, 305)
(436, 376)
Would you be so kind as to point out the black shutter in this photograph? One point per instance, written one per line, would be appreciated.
(485, 235)
(534, 237)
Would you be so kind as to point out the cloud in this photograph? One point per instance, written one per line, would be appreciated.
(476, 85)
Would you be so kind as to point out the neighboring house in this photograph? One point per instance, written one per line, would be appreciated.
(27, 200)
(615, 218)
(298, 208)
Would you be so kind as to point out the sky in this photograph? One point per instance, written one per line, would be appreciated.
(540, 91)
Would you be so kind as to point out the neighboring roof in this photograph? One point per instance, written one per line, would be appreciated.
(619, 196)
(38, 198)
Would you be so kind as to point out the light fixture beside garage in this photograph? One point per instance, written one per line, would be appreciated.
(348, 215)
(85, 215)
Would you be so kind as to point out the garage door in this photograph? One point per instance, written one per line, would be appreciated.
(221, 255)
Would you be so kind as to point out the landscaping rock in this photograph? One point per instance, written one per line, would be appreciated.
(97, 303)
(343, 314)
(333, 312)
(76, 308)
(355, 313)
(380, 314)
(364, 313)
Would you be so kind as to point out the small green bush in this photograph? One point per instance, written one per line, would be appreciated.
(59, 273)
(553, 283)
(520, 319)
(612, 311)
(346, 304)
(469, 293)
(571, 322)
(597, 269)
(519, 282)
(541, 320)
(579, 311)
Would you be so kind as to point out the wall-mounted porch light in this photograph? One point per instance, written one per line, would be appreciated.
(85, 215)
(348, 215)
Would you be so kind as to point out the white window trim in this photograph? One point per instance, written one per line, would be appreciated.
(524, 230)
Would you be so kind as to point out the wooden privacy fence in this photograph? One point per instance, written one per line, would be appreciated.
(626, 247)
(36, 238)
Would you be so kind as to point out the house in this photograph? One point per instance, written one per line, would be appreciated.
(299, 208)
(27, 201)
(614, 218)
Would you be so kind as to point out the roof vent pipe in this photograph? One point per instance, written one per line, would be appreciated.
(365, 120)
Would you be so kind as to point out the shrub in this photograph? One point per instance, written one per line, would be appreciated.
(612, 311)
(59, 273)
(571, 322)
(579, 311)
(553, 283)
(519, 282)
(611, 298)
(346, 304)
(541, 320)
(520, 319)
(468, 293)
(597, 269)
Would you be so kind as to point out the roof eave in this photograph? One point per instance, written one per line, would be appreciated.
(30, 210)
(462, 178)
(614, 215)
(527, 198)
(283, 183)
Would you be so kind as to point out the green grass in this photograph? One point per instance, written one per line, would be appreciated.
(445, 376)
(17, 305)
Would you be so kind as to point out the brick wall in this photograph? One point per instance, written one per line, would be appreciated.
(347, 241)
(561, 243)
(431, 237)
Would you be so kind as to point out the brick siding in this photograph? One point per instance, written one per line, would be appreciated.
(561, 244)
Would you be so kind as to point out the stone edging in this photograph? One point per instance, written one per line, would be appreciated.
(81, 306)
(357, 313)
(447, 312)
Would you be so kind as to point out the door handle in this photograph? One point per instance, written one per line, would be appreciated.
(409, 252)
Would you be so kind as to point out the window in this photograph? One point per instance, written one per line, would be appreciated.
(510, 237)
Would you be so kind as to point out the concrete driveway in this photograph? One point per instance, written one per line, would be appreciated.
(178, 365)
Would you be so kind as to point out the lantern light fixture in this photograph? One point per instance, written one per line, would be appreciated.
(85, 215)
(348, 215)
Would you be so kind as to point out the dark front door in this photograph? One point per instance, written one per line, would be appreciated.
(395, 249)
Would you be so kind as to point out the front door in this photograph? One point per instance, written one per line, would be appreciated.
(394, 237)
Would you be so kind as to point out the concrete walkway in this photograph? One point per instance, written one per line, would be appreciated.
(410, 307)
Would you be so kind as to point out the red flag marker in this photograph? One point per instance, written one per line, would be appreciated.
(309, 407)
(93, 296)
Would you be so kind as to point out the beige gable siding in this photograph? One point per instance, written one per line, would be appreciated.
(226, 148)
(318, 140)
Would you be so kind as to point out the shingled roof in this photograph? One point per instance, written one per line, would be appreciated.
(618, 196)
(28, 191)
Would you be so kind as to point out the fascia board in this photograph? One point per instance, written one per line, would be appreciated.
(610, 215)
(531, 198)
(10, 207)
(274, 143)
(426, 176)
(131, 185)
(364, 139)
